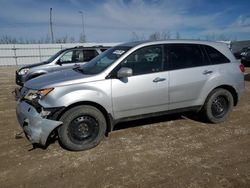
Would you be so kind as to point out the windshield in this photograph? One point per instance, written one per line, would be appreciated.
(104, 60)
(53, 57)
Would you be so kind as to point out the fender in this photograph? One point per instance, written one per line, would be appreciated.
(98, 92)
(226, 81)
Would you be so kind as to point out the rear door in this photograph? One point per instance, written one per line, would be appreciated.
(189, 70)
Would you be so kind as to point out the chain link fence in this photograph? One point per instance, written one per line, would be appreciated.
(23, 54)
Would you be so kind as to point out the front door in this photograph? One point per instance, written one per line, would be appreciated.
(69, 59)
(146, 91)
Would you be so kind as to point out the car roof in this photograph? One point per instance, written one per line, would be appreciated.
(171, 41)
(222, 47)
(85, 47)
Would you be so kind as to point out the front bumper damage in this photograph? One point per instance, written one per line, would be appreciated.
(36, 127)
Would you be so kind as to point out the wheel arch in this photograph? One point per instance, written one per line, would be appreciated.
(231, 90)
(108, 117)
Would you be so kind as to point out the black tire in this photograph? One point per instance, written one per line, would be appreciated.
(218, 105)
(83, 128)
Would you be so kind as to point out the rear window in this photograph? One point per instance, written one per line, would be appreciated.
(89, 54)
(215, 56)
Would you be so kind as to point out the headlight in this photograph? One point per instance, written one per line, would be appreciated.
(23, 71)
(37, 94)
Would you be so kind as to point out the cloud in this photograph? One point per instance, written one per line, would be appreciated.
(241, 25)
(243, 20)
(116, 20)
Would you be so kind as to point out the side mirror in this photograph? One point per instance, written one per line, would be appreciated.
(124, 72)
(59, 62)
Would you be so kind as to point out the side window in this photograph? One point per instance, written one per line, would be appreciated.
(145, 60)
(215, 56)
(185, 56)
(89, 54)
(71, 57)
(67, 57)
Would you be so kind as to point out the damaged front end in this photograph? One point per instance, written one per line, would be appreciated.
(36, 121)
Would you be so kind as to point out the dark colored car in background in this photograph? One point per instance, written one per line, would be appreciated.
(239, 54)
(245, 57)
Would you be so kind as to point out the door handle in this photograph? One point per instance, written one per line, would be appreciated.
(158, 79)
(207, 72)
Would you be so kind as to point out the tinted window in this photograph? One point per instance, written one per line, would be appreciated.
(145, 60)
(215, 56)
(89, 54)
(185, 56)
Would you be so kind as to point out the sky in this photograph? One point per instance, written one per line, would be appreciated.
(122, 20)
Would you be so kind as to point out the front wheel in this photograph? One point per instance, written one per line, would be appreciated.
(83, 128)
(218, 105)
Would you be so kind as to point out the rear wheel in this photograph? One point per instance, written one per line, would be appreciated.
(83, 128)
(218, 105)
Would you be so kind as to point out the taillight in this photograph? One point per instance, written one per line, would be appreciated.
(242, 68)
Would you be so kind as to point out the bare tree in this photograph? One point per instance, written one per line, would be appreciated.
(168, 35)
(82, 38)
(5, 39)
(178, 36)
(160, 36)
(154, 36)
(72, 40)
(137, 37)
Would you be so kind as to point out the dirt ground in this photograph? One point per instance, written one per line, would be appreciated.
(170, 151)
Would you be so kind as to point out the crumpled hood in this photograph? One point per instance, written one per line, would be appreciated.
(59, 78)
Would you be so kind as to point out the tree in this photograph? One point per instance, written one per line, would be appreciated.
(72, 40)
(154, 36)
(137, 37)
(82, 38)
(178, 36)
(160, 36)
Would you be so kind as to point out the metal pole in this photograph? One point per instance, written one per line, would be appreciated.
(39, 50)
(83, 32)
(51, 29)
(15, 56)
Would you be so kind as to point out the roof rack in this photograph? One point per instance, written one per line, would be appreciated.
(96, 46)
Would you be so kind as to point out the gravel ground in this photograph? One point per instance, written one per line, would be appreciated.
(170, 151)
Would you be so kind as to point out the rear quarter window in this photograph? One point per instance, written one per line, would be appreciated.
(215, 56)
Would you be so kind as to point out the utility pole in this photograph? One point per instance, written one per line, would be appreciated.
(83, 32)
(51, 29)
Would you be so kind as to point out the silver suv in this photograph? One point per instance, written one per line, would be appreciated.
(130, 81)
(64, 59)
